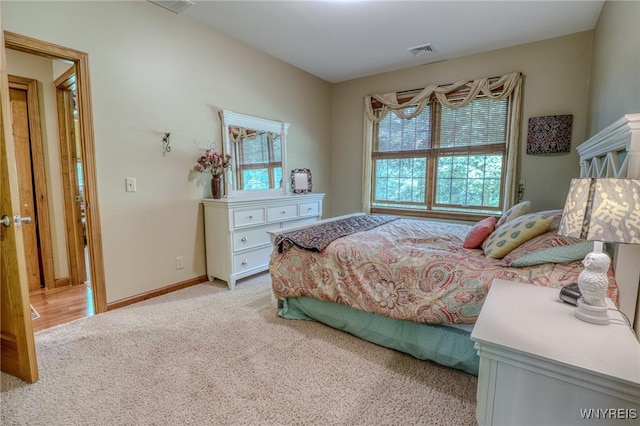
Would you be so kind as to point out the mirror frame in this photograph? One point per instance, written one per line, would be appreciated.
(230, 118)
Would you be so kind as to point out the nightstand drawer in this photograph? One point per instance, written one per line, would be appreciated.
(248, 217)
(309, 209)
(282, 212)
(251, 260)
(253, 237)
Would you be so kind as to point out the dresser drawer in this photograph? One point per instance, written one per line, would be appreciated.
(252, 259)
(248, 217)
(288, 211)
(253, 237)
(309, 209)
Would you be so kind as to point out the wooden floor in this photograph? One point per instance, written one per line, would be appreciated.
(61, 305)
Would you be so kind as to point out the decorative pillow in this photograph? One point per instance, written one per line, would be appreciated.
(479, 232)
(557, 216)
(514, 233)
(515, 211)
(549, 248)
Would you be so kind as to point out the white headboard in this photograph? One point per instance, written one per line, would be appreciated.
(615, 152)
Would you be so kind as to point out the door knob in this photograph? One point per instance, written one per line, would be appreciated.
(17, 220)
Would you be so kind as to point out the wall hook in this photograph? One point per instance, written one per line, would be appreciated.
(166, 142)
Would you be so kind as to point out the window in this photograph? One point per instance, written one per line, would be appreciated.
(443, 159)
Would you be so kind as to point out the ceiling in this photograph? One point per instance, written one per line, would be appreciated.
(342, 40)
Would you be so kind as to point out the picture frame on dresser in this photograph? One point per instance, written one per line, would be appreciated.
(301, 182)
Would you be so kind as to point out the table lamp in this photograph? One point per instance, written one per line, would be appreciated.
(601, 210)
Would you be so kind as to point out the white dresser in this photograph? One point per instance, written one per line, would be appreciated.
(237, 243)
(540, 365)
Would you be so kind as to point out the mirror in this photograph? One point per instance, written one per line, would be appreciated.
(258, 154)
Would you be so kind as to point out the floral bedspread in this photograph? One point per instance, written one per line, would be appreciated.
(407, 269)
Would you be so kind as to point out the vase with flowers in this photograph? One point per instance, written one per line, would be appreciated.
(215, 163)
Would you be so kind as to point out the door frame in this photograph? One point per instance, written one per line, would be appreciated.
(87, 146)
(30, 86)
(70, 187)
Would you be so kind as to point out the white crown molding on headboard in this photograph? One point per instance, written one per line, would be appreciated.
(598, 154)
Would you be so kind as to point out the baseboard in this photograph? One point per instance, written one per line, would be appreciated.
(61, 282)
(154, 293)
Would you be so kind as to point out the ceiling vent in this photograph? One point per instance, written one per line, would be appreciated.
(421, 50)
(176, 6)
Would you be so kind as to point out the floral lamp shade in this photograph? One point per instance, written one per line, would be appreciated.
(549, 135)
(605, 210)
(601, 210)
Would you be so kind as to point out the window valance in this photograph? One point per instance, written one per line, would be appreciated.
(495, 88)
(238, 134)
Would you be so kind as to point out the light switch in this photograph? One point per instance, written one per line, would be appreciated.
(130, 184)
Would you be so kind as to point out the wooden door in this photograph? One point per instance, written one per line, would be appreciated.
(26, 189)
(28, 142)
(17, 354)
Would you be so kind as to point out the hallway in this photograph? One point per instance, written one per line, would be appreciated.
(61, 305)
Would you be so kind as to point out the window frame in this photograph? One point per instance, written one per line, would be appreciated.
(432, 154)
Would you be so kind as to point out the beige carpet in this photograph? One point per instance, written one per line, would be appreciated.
(208, 356)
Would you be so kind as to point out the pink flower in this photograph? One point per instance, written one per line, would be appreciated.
(213, 162)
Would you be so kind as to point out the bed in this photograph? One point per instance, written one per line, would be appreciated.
(410, 285)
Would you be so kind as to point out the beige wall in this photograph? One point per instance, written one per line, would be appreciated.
(153, 72)
(556, 82)
(615, 70)
(42, 70)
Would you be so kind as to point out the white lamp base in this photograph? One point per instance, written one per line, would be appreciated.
(593, 314)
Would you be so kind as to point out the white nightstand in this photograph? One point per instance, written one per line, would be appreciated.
(540, 365)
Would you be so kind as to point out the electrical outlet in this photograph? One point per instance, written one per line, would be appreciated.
(521, 187)
(179, 262)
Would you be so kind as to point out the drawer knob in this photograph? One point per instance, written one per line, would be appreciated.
(283, 212)
(250, 217)
(243, 239)
(309, 209)
(244, 262)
